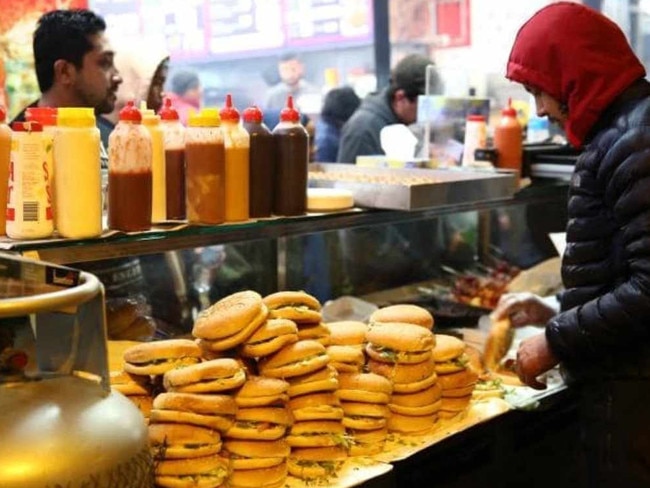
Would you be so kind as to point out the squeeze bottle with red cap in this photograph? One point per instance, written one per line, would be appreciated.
(46, 116)
(237, 145)
(174, 142)
(292, 144)
(508, 139)
(151, 122)
(5, 152)
(129, 173)
(29, 205)
(261, 163)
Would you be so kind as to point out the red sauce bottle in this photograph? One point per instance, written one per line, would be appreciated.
(261, 163)
(174, 142)
(129, 173)
(292, 143)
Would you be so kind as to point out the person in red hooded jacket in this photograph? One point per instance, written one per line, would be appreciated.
(584, 76)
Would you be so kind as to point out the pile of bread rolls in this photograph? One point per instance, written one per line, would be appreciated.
(264, 389)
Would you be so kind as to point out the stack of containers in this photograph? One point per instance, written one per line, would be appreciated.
(174, 144)
(76, 151)
(456, 378)
(237, 146)
(129, 173)
(205, 169)
(151, 122)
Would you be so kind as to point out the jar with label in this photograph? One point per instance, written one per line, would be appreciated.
(129, 173)
(151, 122)
(47, 117)
(292, 145)
(237, 146)
(77, 155)
(29, 206)
(174, 142)
(5, 156)
(205, 168)
(261, 163)
(475, 138)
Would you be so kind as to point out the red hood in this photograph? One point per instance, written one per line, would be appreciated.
(579, 57)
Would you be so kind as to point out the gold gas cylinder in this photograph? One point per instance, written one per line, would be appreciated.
(61, 425)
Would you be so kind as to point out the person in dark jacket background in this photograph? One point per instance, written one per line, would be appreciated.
(584, 75)
(338, 107)
(395, 104)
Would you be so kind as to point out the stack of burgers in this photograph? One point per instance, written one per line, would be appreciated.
(182, 430)
(346, 347)
(255, 444)
(364, 398)
(401, 350)
(455, 377)
(317, 436)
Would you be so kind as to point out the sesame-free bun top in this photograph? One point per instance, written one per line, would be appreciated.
(158, 357)
(298, 306)
(402, 373)
(323, 379)
(229, 315)
(183, 440)
(401, 337)
(259, 391)
(269, 338)
(209, 376)
(347, 333)
(369, 382)
(296, 359)
(408, 314)
(447, 348)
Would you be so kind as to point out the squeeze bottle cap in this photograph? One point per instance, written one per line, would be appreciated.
(44, 115)
(26, 127)
(207, 117)
(168, 112)
(130, 113)
(476, 118)
(3, 114)
(149, 117)
(509, 110)
(253, 114)
(288, 113)
(229, 113)
(75, 117)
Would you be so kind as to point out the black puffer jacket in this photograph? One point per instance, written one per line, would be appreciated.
(604, 327)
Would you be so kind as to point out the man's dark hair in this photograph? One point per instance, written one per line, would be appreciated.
(410, 75)
(289, 56)
(339, 105)
(63, 34)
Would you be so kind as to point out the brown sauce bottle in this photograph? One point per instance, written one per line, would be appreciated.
(262, 163)
(292, 145)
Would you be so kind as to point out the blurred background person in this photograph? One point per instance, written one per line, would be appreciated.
(74, 65)
(292, 82)
(395, 104)
(185, 92)
(338, 107)
(144, 72)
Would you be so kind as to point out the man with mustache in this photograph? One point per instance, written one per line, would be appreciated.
(584, 75)
(74, 63)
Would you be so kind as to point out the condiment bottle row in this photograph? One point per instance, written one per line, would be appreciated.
(216, 170)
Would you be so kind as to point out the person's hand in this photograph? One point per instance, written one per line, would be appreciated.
(534, 357)
(523, 309)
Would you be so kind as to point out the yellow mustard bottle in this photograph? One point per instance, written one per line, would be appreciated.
(76, 152)
(5, 152)
(237, 145)
(151, 122)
